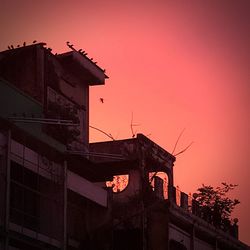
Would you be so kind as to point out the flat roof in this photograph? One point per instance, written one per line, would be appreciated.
(81, 61)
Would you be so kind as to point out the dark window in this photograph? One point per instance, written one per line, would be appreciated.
(24, 201)
(175, 245)
(23, 175)
(128, 239)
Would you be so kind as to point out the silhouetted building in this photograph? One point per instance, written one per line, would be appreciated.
(56, 188)
(149, 212)
(48, 199)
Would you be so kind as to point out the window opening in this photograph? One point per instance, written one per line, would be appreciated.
(164, 177)
(119, 183)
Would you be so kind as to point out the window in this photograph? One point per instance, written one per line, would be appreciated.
(164, 177)
(119, 183)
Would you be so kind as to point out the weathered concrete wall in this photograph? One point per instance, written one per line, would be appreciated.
(74, 89)
(132, 189)
(179, 235)
(22, 68)
(87, 189)
(157, 228)
(201, 245)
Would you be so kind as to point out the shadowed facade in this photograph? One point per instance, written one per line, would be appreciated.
(54, 182)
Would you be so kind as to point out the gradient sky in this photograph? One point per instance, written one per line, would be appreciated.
(174, 64)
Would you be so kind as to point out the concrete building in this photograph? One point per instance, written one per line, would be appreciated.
(57, 188)
(148, 211)
(48, 199)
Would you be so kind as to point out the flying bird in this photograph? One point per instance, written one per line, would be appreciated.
(101, 100)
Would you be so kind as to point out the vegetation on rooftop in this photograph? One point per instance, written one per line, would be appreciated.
(215, 205)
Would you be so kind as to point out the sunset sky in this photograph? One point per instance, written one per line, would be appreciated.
(173, 64)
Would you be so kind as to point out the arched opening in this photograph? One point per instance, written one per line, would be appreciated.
(164, 177)
(119, 183)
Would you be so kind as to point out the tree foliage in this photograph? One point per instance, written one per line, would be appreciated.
(215, 205)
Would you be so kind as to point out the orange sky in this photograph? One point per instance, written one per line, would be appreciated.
(174, 64)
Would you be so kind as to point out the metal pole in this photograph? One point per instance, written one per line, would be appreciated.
(7, 207)
(144, 214)
(65, 205)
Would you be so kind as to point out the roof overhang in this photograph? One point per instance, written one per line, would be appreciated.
(82, 63)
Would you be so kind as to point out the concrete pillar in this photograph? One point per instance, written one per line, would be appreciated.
(216, 244)
(158, 187)
(172, 194)
(184, 201)
(192, 237)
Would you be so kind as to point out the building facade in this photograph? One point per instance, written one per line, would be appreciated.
(48, 199)
(150, 206)
(58, 191)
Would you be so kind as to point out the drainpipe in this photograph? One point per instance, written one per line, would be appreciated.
(65, 202)
(7, 207)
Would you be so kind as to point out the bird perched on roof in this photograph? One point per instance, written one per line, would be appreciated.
(24, 44)
(12, 46)
(80, 50)
(101, 100)
(9, 47)
(34, 41)
(69, 45)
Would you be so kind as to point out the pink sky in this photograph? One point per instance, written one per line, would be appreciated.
(174, 64)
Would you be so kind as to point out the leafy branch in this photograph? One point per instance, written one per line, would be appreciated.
(215, 205)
